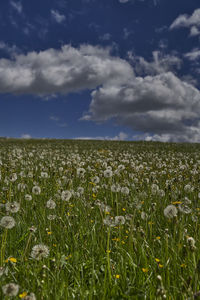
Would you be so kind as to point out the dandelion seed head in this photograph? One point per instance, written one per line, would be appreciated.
(36, 190)
(10, 289)
(39, 251)
(12, 207)
(170, 211)
(7, 222)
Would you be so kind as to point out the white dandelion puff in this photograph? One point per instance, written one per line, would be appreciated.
(30, 297)
(36, 190)
(28, 197)
(39, 251)
(108, 173)
(51, 204)
(7, 222)
(184, 208)
(66, 195)
(10, 289)
(12, 207)
(170, 211)
(119, 220)
(125, 190)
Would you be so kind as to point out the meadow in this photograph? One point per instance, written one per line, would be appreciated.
(99, 220)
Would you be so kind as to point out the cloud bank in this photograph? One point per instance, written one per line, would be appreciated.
(145, 96)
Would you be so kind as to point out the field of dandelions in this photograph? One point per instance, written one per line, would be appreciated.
(99, 220)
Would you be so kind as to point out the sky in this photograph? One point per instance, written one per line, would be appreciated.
(100, 69)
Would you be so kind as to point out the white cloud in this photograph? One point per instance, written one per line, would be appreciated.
(185, 20)
(62, 71)
(26, 136)
(160, 105)
(12, 50)
(122, 136)
(193, 55)
(194, 31)
(160, 63)
(155, 102)
(17, 6)
(59, 18)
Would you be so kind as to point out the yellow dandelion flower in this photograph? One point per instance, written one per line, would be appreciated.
(49, 232)
(12, 259)
(177, 202)
(124, 209)
(145, 270)
(116, 239)
(160, 266)
(23, 295)
(108, 251)
(158, 238)
(117, 276)
(157, 259)
(150, 223)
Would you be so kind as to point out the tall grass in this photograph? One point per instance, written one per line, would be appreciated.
(92, 255)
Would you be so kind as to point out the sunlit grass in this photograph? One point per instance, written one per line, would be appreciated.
(99, 220)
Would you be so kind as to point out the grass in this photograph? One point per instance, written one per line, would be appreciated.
(145, 255)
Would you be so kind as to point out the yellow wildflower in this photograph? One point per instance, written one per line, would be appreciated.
(145, 270)
(12, 259)
(23, 295)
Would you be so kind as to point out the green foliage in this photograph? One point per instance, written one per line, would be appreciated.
(110, 239)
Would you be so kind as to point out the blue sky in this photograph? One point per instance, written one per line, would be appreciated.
(109, 69)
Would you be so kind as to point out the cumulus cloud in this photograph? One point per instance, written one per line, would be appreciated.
(185, 20)
(162, 105)
(59, 18)
(62, 71)
(122, 136)
(154, 101)
(17, 6)
(160, 63)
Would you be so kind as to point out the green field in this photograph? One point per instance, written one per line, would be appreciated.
(91, 220)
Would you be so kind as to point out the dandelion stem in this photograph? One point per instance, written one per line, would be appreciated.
(3, 245)
(108, 255)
